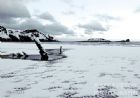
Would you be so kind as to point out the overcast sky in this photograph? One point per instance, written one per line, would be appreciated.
(74, 19)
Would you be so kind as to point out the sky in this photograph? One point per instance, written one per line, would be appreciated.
(74, 19)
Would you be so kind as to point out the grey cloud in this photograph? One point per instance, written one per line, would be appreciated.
(13, 9)
(54, 28)
(72, 4)
(30, 24)
(106, 17)
(92, 27)
(137, 10)
(57, 29)
(46, 16)
(10, 10)
(68, 13)
(9, 21)
(69, 2)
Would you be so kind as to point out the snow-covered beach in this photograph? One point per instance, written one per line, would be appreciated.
(89, 71)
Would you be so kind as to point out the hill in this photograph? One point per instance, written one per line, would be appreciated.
(11, 35)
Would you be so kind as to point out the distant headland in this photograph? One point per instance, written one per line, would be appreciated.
(103, 40)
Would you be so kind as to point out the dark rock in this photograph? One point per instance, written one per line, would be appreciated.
(25, 38)
(32, 31)
(13, 38)
(127, 40)
(3, 29)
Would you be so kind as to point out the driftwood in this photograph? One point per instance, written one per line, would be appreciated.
(43, 53)
(60, 50)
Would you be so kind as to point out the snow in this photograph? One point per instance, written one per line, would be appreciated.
(18, 33)
(3, 35)
(87, 72)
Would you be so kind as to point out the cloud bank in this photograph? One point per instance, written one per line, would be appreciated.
(11, 9)
(15, 15)
(92, 27)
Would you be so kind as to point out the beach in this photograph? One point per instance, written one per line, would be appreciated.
(87, 71)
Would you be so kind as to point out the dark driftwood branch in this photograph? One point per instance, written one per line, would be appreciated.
(43, 53)
(60, 50)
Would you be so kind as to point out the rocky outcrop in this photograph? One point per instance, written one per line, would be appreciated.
(3, 29)
(127, 40)
(103, 40)
(23, 36)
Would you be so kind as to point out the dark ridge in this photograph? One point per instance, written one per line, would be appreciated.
(24, 36)
(13, 38)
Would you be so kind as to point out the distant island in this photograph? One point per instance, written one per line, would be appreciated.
(11, 35)
(103, 40)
